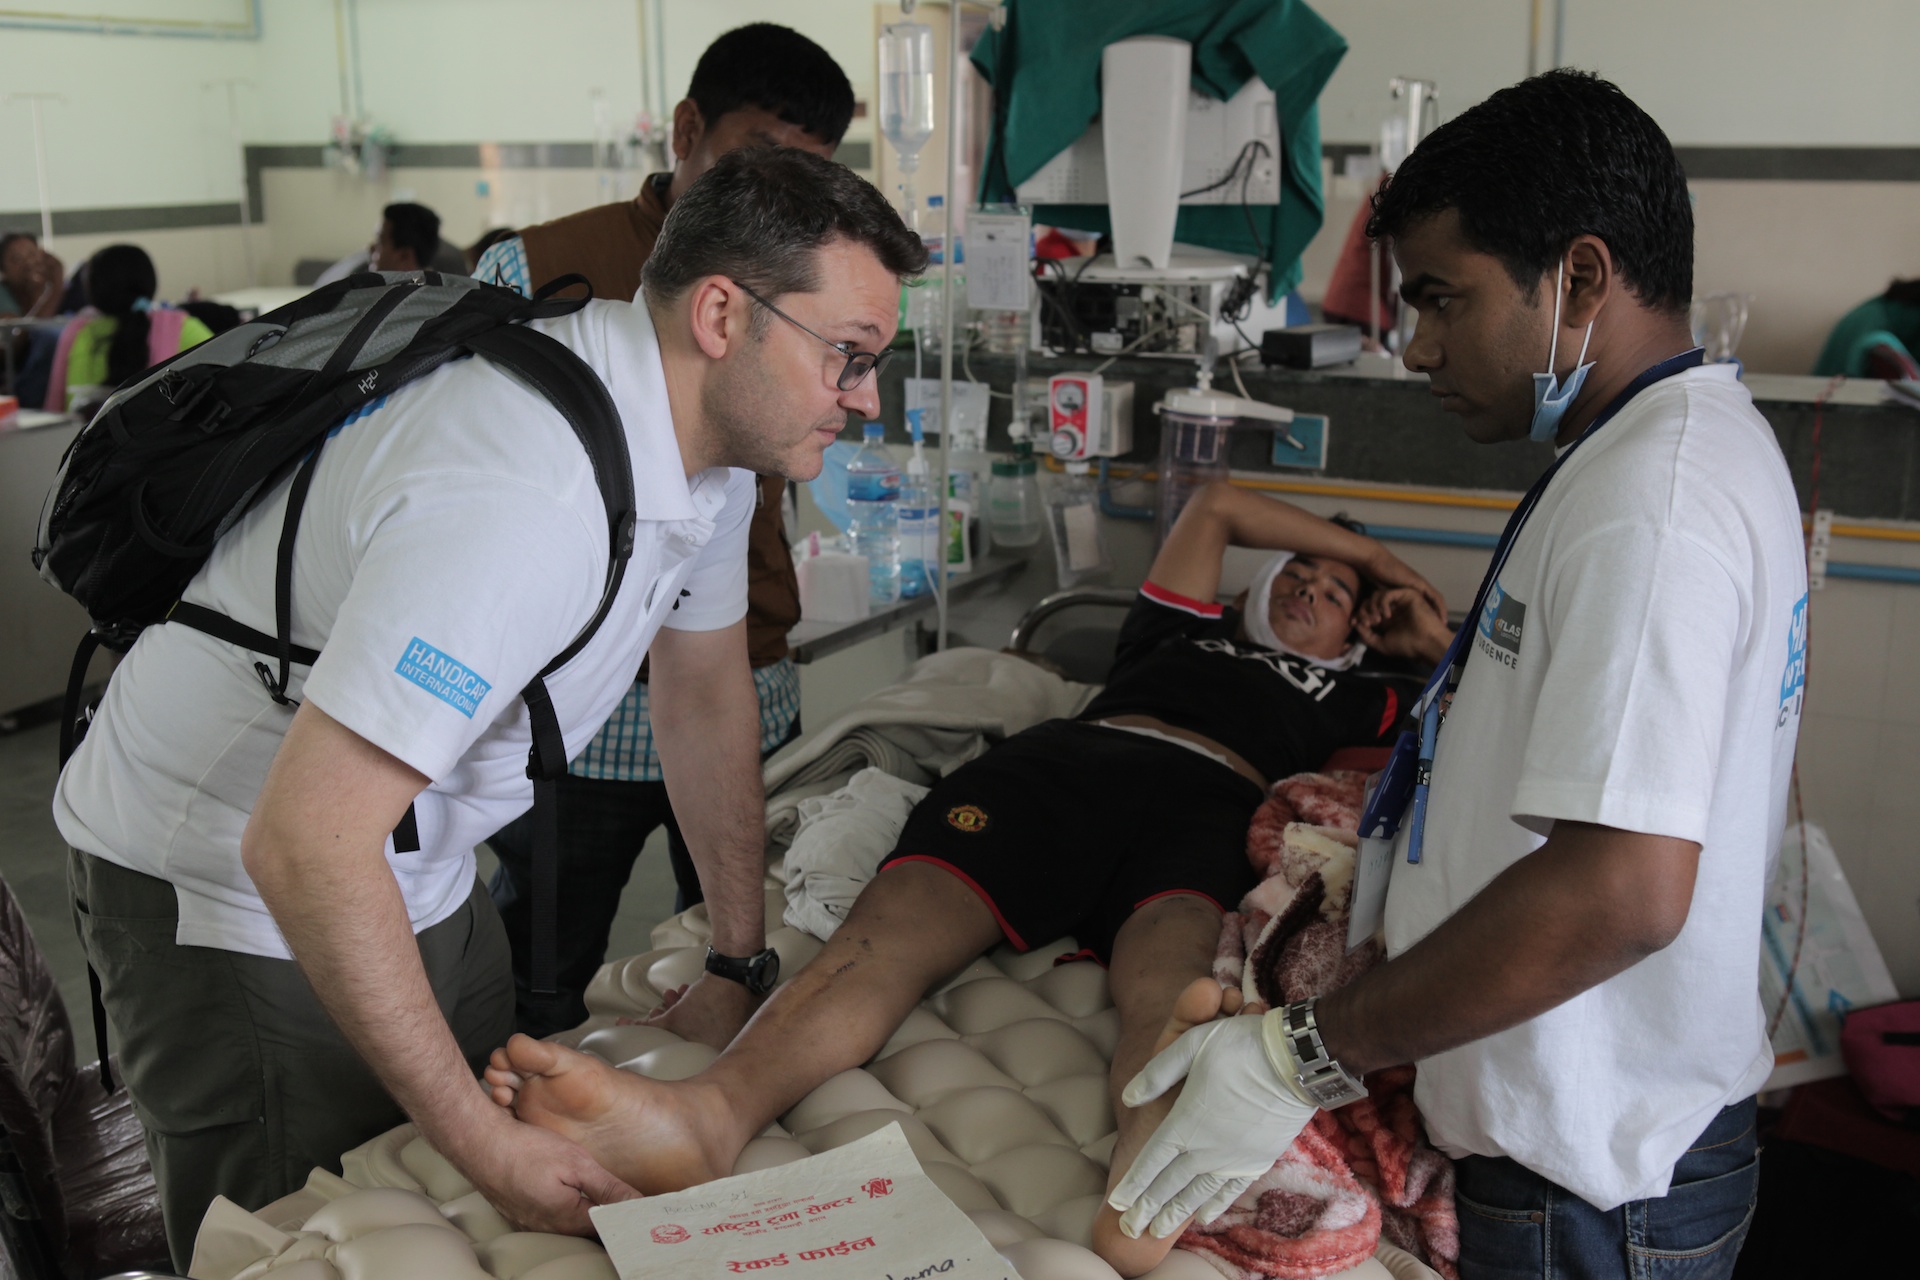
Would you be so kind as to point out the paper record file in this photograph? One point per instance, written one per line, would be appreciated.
(865, 1209)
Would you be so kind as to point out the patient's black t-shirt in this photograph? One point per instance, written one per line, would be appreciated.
(1180, 662)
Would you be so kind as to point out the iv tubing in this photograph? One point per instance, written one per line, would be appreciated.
(949, 250)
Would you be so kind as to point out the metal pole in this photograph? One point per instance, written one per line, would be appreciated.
(33, 101)
(642, 42)
(40, 176)
(232, 83)
(340, 54)
(353, 52)
(1373, 288)
(1559, 33)
(663, 105)
(955, 66)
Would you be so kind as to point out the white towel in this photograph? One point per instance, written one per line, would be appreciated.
(839, 844)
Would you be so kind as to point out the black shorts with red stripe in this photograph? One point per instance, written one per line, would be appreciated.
(1070, 827)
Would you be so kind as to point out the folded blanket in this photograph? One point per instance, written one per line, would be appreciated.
(837, 848)
(950, 708)
(1287, 942)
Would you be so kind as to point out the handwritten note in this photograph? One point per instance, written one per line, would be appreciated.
(864, 1210)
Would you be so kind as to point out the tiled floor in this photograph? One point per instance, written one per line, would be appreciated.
(33, 860)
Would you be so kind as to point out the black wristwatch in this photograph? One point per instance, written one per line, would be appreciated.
(757, 973)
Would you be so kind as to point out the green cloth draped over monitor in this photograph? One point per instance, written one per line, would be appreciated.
(1872, 323)
(1045, 71)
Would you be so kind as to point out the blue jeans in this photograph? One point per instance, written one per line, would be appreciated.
(1515, 1223)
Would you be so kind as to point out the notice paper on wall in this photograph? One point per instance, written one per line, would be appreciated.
(999, 258)
(1840, 966)
(865, 1209)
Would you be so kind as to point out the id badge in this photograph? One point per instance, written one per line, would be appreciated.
(1372, 868)
(1389, 793)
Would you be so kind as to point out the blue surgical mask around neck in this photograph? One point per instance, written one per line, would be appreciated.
(1551, 400)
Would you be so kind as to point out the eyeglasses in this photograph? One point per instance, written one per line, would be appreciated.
(859, 363)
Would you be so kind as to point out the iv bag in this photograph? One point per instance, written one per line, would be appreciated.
(906, 89)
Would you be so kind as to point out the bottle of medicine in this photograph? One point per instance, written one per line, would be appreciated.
(1014, 514)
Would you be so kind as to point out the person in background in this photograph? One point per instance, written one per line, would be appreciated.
(1351, 296)
(217, 316)
(119, 334)
(1880, 338)
(757, 85)
(31, 279)
(478, 249)
(407, 239)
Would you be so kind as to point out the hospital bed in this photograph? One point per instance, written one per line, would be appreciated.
(998, 1081)
(1076, 631)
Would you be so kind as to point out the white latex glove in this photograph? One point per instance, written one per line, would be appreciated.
(1240, 1111)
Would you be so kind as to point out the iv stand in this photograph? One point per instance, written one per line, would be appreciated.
(949, 251)
(33, 100)
(232, 84)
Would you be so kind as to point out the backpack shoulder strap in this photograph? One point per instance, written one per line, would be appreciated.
(567, 382)
(573, 388)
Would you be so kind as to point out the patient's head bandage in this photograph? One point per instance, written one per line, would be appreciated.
(1259, 621)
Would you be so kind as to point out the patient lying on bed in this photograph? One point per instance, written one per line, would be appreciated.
(1125, 828)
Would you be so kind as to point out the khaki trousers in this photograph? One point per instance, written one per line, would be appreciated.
(241, 1079)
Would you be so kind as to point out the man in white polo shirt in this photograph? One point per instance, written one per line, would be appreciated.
(1574, 928)
(282, 984)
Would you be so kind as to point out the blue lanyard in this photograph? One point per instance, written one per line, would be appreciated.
(1383, 812)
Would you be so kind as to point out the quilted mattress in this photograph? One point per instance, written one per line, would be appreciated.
(998, 1081)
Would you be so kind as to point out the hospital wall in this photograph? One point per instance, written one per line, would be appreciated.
(140, 141)
(1757, 86)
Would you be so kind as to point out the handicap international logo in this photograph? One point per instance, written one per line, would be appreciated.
(970, 818)
(1794, 680)
(442, 676)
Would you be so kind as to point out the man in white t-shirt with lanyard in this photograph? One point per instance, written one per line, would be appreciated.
(281, 983)
(1583, 829)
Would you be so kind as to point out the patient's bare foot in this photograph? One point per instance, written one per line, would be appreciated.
(1203, 1000)
(654, 1135)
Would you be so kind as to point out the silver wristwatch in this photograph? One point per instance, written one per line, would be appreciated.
(1323, 1079)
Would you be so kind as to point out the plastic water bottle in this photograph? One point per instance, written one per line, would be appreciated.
(873, 514)
(919, 528)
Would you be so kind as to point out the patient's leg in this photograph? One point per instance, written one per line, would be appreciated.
(1162, 962)
(913, 926)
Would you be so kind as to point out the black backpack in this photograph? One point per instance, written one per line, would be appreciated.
(172, 461)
